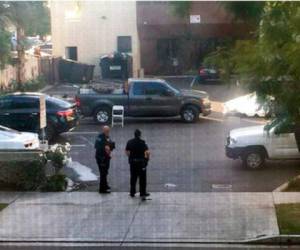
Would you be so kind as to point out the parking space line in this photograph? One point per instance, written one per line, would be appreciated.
(87, 140)
(78, 145)
(212, 119)
(81, 133)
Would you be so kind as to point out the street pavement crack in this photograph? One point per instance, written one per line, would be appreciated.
(130, 224)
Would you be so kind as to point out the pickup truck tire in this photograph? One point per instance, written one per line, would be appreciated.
(190, 114)
(102, 115)
(254, 158)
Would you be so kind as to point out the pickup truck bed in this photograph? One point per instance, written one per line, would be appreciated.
(143, 98)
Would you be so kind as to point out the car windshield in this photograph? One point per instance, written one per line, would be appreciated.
(58, 103)
(5, 129)
(177, 91)
(281, 122)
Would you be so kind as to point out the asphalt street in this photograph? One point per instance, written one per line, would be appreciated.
(185, 157)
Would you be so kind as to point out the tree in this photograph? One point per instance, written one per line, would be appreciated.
(181, 8)
(28, 17)
(247, 11)
(270, 63)
(4, 48)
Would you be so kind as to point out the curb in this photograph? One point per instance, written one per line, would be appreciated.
(282, 187)
(266, 240)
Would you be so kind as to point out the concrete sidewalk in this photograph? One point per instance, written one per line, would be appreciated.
(116, 218)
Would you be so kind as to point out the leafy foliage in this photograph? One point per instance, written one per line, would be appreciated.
(55, 183)
(246, 10)
(29, 18)
(32, 16)
(22, 175)
(270, 63)
(31, 85)
(181, 8)
(4, 48)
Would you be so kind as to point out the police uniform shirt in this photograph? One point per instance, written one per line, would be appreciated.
(137, 148)
(100, 144)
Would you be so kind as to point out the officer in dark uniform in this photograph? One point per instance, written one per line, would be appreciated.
(138, 154)
(104, 146)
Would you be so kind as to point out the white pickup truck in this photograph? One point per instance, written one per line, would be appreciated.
(255, 144)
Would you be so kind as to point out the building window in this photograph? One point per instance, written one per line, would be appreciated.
(124, 44)
(71, 53)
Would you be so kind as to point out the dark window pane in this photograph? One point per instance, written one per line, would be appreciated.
(138, 88)
(154, 88)
(124, 44)
(25, 103)
(6, 103)
(71, 53)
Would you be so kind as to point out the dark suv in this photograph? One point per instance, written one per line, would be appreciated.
(20, 111)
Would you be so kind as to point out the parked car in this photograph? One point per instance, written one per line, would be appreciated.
(206, 74)
(255, 144)
(249, 105)
(144, 98)
(12, 140)
(20, 111)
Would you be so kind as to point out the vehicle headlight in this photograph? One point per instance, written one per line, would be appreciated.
(206, 100)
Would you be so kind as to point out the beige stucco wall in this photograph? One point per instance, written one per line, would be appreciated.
(31, 71)
(93, 26)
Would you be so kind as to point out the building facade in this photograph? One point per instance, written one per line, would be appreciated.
(157, 39)
(86, 30)
(165, 36)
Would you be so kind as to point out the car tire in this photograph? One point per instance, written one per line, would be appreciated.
(254, 158)
(190, 114)
(102, 115)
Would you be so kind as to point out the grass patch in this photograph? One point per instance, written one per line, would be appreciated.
(293, 186)
(2, 206)
(288, 217)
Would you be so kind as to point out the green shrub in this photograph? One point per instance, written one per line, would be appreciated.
(58, 155)
(293, 185)
(25, 176)
(55, 183)
(31, 85)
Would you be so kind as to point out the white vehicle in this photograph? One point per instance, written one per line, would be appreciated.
(248, 105)
(14, 140)
(255, 144)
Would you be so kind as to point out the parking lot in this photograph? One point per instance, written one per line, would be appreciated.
(185, 157)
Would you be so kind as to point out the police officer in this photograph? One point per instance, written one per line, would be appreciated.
(138, 154)
(104, 147)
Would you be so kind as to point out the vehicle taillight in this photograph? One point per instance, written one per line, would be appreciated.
(67, 112)
(202, 72)
(77, 100)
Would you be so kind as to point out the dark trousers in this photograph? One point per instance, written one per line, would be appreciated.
(103, 165)
(138, 171)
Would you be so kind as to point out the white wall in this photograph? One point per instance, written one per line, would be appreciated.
(93, 26)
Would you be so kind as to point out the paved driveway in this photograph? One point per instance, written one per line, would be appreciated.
(185, 157)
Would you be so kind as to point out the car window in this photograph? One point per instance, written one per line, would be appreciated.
(55, 103)
(5, 103)
(25, 103)
(285, 127)
(154, 88)
(138, 88)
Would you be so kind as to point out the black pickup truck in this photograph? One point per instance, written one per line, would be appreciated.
(143, 98)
